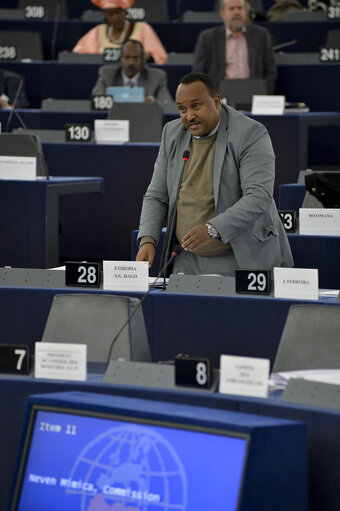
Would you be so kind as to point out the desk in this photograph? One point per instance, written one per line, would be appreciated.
(29, 218)
(323, 427)
(200, 325)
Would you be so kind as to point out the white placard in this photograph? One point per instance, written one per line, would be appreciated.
(320, 221)
(126, 275)
(297, 283)
(268, 105)
(60, 361)
(111, 132)
(244, 376)
(23, 168)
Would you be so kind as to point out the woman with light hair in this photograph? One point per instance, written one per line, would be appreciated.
(118, 29)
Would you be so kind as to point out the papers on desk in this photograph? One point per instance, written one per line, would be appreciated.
(280, 380)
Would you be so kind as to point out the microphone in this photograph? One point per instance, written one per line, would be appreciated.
(176, 251)
(16, 98)
(55, 30)
(36, 145)
(186, 156)
(285, 45)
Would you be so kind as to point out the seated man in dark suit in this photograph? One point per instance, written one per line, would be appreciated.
(133, 71)
(9, 83)
(236, 49)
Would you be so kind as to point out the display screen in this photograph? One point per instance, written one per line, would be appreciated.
(87, 462)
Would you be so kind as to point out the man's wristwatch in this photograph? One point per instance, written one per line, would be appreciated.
(213, 232)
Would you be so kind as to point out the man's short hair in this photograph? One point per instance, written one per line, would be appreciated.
(135, 42)
(200, 77)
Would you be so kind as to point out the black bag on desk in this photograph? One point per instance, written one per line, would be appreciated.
(325, 186)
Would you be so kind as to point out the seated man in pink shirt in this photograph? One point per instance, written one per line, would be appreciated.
(118, 29)
(236, 49)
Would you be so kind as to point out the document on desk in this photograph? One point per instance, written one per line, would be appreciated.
(320, 375)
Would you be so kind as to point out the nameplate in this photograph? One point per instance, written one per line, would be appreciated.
(329, 55)
(14, 359)
(8, 52)
(296, 283)
(60, 361)
(126, 275)
(333, 11)
(78, 132)
(320, 221)
(34, 12)
(82, 274)
(288, 219)
(135, 13)
(101, 102)
(253, 282)
(268, 105)
(193, 372)
(244, 376)
(18, 167)
(111, 54)
(110, 131)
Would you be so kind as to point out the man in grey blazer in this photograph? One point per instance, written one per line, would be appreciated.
(220, 208)
(132, 71)
(236, 49)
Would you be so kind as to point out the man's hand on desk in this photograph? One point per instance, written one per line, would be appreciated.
(196, 237)
(146, 253)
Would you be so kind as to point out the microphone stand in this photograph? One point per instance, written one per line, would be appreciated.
(176, 251)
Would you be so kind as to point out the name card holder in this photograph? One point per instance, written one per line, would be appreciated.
(14, 359)
(126, 275)
(77, 132)
(253, 282)
(60, 361)
(320, 221)
(244, 376)
(296, 283)
(289, 220)
(193, 372)
(268, 105)
(101, 102)
(18, 168)
(111, 131)
(82, 274)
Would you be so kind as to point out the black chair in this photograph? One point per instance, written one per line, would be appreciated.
(310, 339)
(95, 320)
(27, 45)
(153, 10)
(146, 120)
(70, 57)
(180, 58)
(50, 7)
(239, 92)
(12, 14)
(201, 17)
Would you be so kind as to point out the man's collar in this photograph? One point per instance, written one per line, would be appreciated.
(229, 33)
(126, 79)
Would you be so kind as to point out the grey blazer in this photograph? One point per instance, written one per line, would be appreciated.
(243, 180)
(153, 80)
(210, 54)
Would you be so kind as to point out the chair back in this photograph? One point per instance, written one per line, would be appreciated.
(239, 92)
(27, 45)
(146, 120)
(95, 320)
(310, 339)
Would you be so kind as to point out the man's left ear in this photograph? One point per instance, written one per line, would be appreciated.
(218, 101)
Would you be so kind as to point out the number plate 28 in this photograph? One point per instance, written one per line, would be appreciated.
(82, 274)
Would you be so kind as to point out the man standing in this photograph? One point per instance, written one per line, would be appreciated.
(133, 72)
(236, 49)
(225, 216)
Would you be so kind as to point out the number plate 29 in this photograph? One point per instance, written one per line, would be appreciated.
(255, 282)
(82, 274)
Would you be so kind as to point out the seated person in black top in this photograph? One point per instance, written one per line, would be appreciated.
(9, 84)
